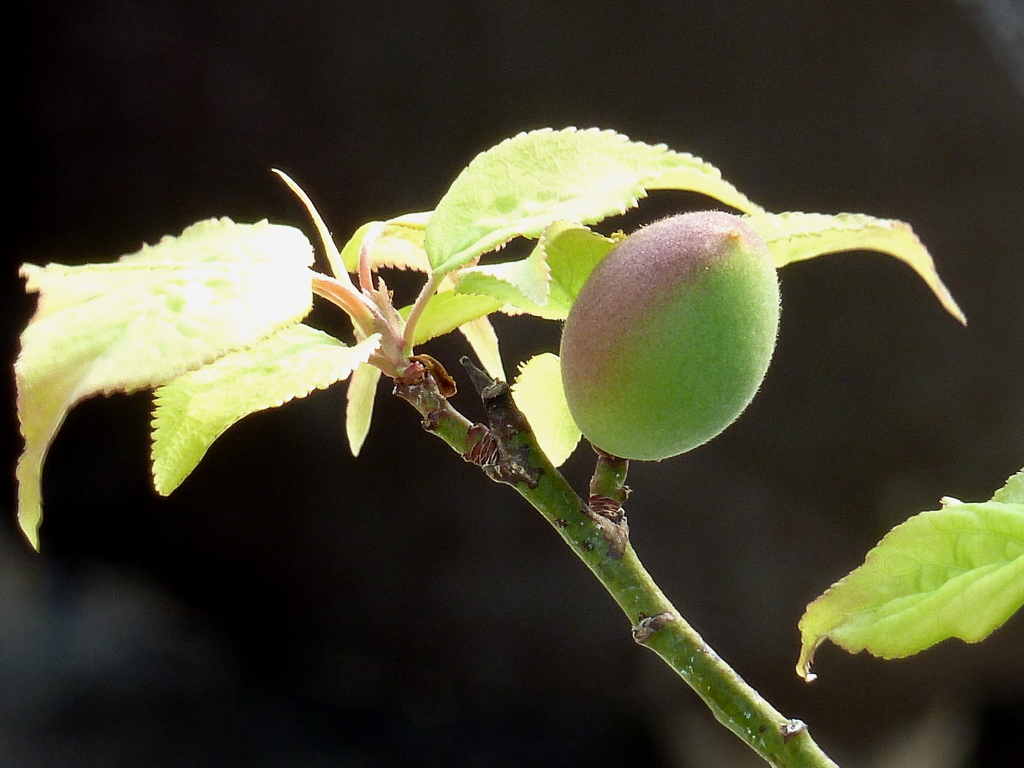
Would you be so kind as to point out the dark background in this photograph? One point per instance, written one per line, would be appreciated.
(292, 606)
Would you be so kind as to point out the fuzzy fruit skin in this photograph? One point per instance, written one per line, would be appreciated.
(671, 336)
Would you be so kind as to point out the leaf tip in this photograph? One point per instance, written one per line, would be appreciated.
(31, 531)
(803, 664)
(30, 508)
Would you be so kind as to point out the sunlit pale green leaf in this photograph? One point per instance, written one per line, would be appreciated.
(566, 253)
(399, 244)
(526, 279)
(522, 185)
(150, 316)
(539, 394)
(196, 408)
(799, 236)
(953, 572)
(1013, 491)
(484, 341)
(447, 310)
(362, 391)
(572, 253)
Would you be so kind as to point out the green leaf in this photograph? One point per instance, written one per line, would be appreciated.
(484, 341)
(1013, 491)
(362, 391)
(447, 310)
(398, 245)
(539, 394)
(572, 252)
(953, 572)
(196, 408)
(150, 316)
(799, 236)
(569, 253)
(525, 280)
(525, 183)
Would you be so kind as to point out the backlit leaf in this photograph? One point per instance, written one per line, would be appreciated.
(447, 310)
(147, 318)
(799, 236)
(1013, 491)
(572, 253)
(526, 279)
(539, 394)
(569, 253)
(362, 391)
(398, 246)
(484, 341)
(953, 572)
(196, 408)
(525, 183)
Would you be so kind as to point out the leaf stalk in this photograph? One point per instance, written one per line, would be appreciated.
(367, 318)
(418, 307)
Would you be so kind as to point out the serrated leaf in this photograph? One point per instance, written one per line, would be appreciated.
(1013, 491)
(539, 395)
(953, 572)
(526, 279)
(399, 244)
(798, 236)
(484, 341)
(570, 252)
(194, 409)
(150, 316)
(446, 311)
(362, 391)
(525, 183)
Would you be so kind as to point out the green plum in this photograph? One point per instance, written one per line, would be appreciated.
(671, 336)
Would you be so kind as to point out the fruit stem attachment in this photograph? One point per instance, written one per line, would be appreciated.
(608, 489)
(507, 452)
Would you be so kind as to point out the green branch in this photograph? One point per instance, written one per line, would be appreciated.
(507, 452)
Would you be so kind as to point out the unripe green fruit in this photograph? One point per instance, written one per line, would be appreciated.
(671, 336)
